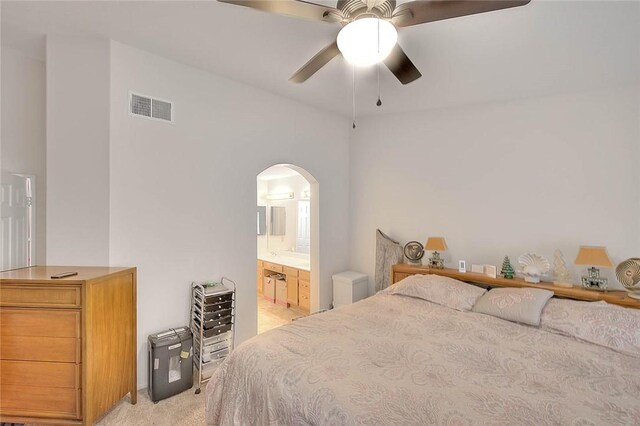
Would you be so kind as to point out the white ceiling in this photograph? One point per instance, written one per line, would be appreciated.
(544, 48)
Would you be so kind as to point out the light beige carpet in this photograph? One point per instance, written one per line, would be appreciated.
(182, 409)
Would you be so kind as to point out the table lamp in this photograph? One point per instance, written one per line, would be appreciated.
(436, 244)
(594, 256)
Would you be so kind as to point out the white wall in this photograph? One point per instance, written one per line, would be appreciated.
(183, 195)
(502, 179)
(77, 151)
(23, 145)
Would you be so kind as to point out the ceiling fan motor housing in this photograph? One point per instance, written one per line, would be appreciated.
(352, 9)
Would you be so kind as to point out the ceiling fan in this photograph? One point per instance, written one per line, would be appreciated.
(369, 27)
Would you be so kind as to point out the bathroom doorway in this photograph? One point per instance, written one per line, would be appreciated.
(287, 245)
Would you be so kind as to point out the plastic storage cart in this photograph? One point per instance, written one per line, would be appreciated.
(213, 326)
(349, 287)
(170, 363)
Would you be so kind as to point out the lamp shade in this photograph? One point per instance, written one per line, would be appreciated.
(593, 256)
(435, 244)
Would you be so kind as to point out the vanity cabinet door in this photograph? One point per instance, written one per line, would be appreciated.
(292, 290)
(259, 275)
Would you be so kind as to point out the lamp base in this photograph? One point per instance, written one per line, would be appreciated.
(593, 281)
(435, 261)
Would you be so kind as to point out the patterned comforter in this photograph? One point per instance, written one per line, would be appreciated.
(395, 360)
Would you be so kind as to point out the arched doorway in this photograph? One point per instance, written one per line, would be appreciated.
(288, 245)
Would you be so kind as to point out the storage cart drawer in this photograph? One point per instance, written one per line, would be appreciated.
(216, 315)
(217, 298)
(216, 322)
(217, 330)
(207, 349)
(212, 356)
(218, 306)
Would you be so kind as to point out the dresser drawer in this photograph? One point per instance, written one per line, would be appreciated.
(39, 322)
(20, 400)
(273, 267)
(40, 296)
(304, 275)
(29, 348)
(304, 286)
(43, 374)
(303, 301)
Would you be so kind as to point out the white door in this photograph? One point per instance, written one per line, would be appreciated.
(303, 238)
(17, 229)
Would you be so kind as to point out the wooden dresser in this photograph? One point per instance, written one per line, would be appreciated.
(67, 346)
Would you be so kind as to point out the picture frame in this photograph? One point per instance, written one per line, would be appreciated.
(462, 266)
(478, 269)
(491, 271)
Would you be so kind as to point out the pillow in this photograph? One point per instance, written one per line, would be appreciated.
(444, 291)
(523, 305)
(601, 323)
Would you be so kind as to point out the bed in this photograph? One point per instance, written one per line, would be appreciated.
(397, 360)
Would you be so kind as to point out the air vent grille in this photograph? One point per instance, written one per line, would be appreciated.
(161, 110)
(140, 105)
(144, 106)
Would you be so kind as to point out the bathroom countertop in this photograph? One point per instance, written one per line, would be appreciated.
(290, 261)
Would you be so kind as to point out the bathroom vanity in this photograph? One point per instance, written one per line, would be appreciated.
(298, 279)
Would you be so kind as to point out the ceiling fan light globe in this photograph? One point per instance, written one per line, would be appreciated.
(367, 41)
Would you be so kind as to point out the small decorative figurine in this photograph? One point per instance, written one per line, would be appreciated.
(533, 267)
(562, 274)
(507, 270)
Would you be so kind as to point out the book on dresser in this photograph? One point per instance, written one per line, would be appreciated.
(67, 345)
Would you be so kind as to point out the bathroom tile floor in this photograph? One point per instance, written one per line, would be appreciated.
(271, 315)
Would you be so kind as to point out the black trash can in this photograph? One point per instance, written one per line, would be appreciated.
(170, 363)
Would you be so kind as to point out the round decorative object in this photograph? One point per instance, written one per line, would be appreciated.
(628, 274)
(533, 267)
(414, 251)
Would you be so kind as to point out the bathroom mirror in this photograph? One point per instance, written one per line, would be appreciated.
(262, 220)
(278, 220)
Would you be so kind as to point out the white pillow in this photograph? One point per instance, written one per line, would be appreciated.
(523, 305)
(444, 291)
(601, 323)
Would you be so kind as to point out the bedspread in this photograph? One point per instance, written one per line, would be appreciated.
(396, 360)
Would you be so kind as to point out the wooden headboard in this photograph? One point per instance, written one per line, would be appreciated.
(616, 297)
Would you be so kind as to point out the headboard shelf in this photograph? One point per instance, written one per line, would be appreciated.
(616, 297)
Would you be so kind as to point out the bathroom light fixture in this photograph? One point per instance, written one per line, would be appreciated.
(281, 196)
(367, 41)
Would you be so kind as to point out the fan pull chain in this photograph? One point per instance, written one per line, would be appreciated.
(353, 93)
(379, 103)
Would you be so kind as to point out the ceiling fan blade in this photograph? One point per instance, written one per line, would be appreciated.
(401, 66)
(321, 59)
(423, 11)
(295, 8)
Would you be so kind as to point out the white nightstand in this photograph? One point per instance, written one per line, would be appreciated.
(349, 287)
